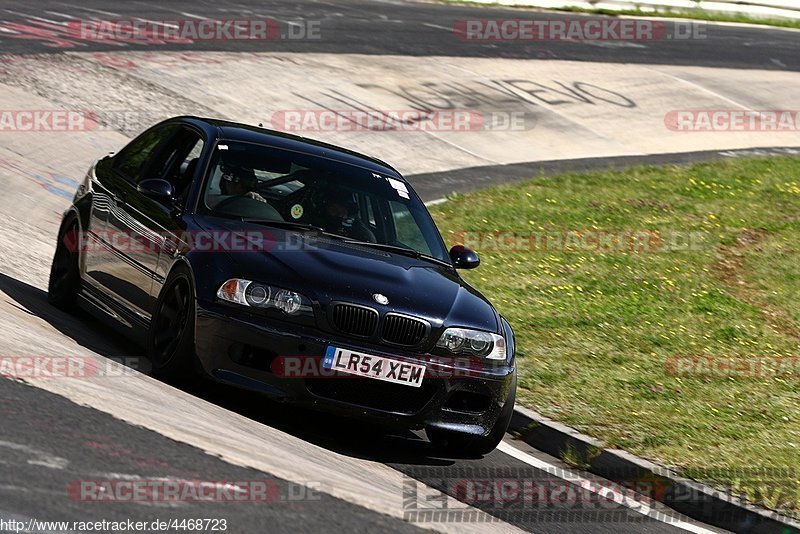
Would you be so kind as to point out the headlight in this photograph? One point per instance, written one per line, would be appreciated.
(253, 294)
(288, 301)
(473, 342)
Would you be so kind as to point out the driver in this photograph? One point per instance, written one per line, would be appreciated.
(335, 216)
(239, 181)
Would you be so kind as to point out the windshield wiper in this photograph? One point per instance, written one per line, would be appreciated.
(289, 225)
(404, 251)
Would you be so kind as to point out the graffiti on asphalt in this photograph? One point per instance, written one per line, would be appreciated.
(52, 182)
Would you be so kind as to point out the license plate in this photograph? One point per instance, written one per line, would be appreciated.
(377, 367)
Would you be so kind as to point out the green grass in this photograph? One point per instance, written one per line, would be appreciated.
(596, 330)
(697, 14)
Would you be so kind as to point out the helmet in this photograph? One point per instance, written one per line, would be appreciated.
(237, 174)
(340, 196)
(333, 195)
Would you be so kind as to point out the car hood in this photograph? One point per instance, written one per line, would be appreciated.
(327, 269)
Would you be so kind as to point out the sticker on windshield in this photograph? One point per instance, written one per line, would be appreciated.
(399, 186)
(296, 211)
(376, 175)
(222, 147)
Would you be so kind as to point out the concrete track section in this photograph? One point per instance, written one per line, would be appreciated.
(522, 104)
(57, 481)
(430, 115)
(122, 426)
(115, 424)
(238, 435)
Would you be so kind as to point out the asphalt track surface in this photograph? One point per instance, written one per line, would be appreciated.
(39, 428)
(405, 28)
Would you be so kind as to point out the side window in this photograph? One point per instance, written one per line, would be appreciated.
(369, 212)
(178, 160)
(196, 150)
(183, 165)
(132, 160)
(407, 231)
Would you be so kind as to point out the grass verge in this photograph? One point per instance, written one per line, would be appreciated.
(657, 309)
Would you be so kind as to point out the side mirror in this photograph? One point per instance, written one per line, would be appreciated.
(155, 188)
(464, 258)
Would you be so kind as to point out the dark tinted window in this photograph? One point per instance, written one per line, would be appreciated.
(132, 160)
(258, 182)
(177, 161)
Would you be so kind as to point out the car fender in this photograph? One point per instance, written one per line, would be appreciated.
(511, 349)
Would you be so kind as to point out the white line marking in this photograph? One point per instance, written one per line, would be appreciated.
(285, 21)
(429, 25)
(191, 15)
(435, 202)
(610, 44)
(162, 24)
(32, 17)
(698, 86)
(100, 11)
(461, 148)
(62, 15)
(37, 457)
(607, 490)
(337, 6)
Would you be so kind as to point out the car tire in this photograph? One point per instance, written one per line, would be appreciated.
(170, 340)
(65, 279)
(455, 444)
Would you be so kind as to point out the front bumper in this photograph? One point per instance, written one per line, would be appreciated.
(252, 352)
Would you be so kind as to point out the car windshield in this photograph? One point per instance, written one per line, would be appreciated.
(256, 182)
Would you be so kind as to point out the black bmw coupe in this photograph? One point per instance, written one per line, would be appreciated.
(298, 269)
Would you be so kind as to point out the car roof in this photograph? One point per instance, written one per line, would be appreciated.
(234, 131)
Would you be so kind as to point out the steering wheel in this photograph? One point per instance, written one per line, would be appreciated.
(250, 208)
